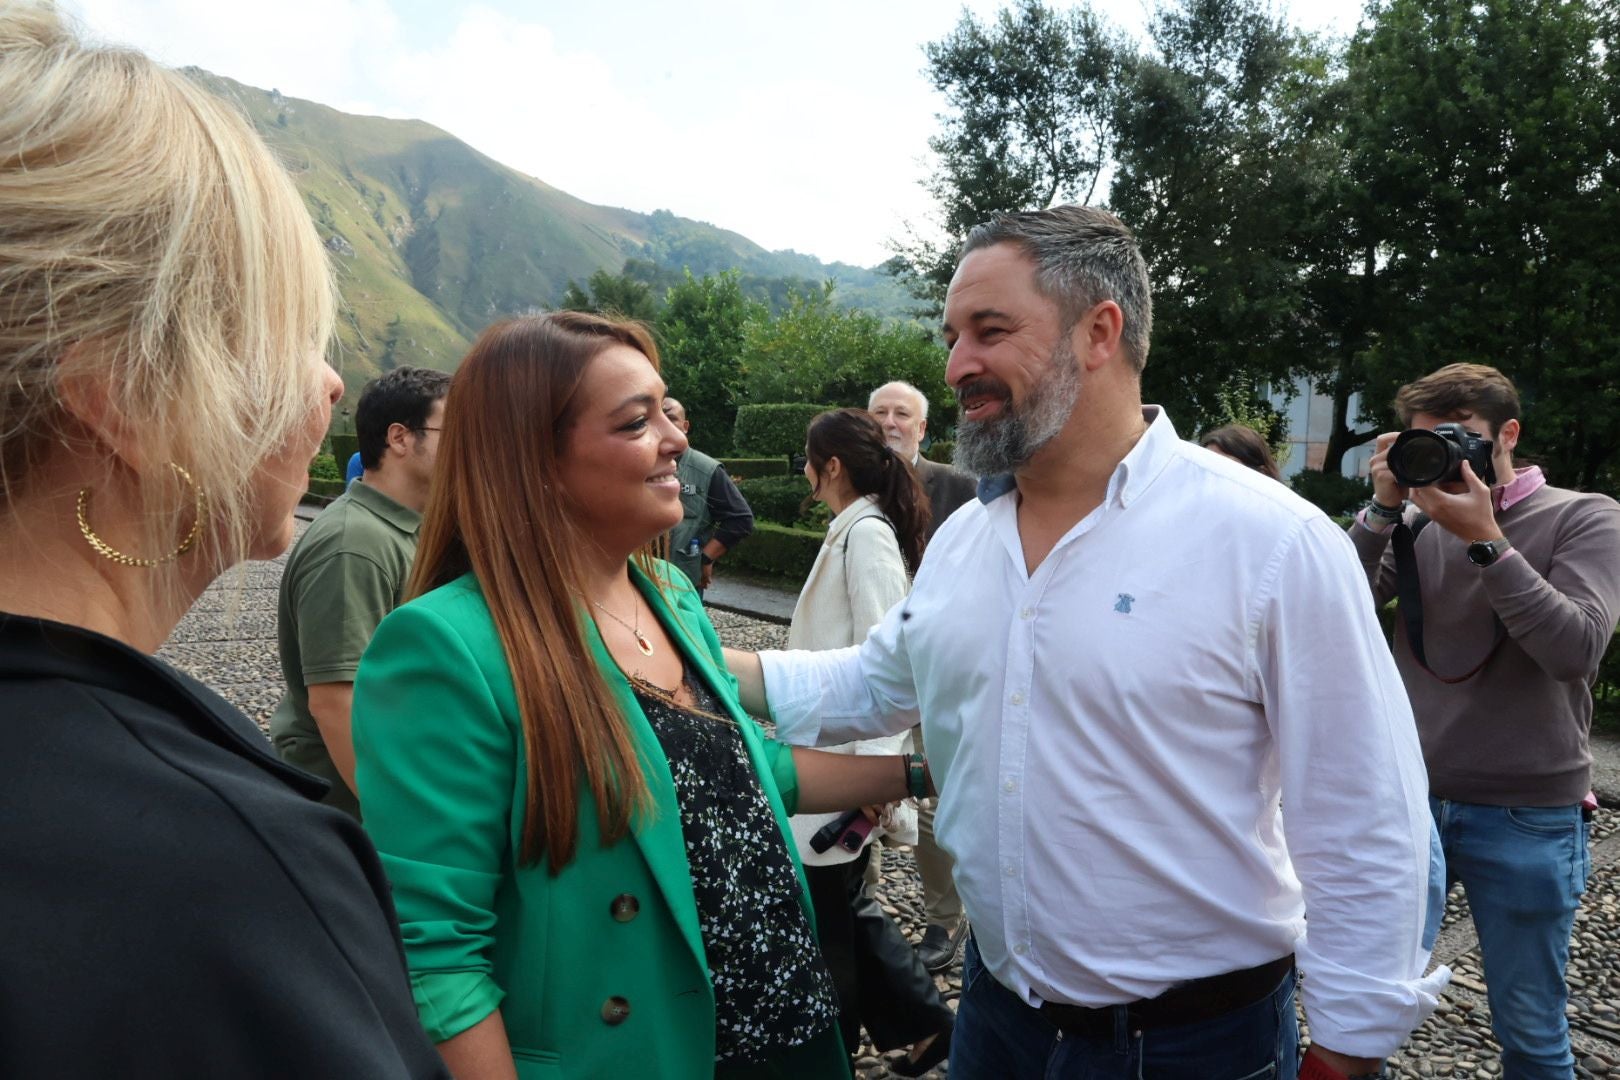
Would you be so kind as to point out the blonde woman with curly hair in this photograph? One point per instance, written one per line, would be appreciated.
(175, 900)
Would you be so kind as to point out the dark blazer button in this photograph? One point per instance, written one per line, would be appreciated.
(624, 907)
(615, 1011)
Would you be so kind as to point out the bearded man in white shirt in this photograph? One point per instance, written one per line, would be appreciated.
(1132, 658)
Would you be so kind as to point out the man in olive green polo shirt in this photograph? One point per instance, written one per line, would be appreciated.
(349, 569)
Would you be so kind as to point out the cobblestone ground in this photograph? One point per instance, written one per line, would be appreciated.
(228, 641)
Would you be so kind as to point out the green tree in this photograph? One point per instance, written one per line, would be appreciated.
(1219, 155)
(817, 351)
(702, 328)
(1482, 139)
(1031, 100)
(1217, 135)
(612, 294)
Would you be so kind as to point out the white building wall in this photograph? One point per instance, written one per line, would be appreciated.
(1310, 419)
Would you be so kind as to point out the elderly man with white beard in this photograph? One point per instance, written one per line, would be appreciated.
(1132, 660)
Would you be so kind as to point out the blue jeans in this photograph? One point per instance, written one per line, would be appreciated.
(999, 1037)
(1524, 870)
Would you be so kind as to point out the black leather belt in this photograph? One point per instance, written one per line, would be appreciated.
(1189, 1003)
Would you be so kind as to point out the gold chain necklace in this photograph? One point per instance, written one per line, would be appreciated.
(642, 643)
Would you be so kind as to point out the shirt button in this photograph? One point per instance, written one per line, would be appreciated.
(624, 907)
(615, 1011)
(1010, 785)
(1017, 698)
(1011, 871)
(1021, 949)
(1027, 613)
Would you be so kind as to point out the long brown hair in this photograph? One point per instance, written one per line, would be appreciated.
(498, 510)
(1244, 445)
(856, 440)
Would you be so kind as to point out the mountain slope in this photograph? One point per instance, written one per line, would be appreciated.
(433, 240)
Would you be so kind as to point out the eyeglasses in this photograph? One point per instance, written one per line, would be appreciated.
(428, 429)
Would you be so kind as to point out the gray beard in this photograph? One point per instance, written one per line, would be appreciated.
(1005, 444)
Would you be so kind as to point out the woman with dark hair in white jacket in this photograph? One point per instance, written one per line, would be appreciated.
(874, 543)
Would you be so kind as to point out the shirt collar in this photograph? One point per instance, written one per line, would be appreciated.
(1146, 460)
(400, 517)
(33, 648)
(1526, 482)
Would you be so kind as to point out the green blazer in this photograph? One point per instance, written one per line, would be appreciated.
(598, 970)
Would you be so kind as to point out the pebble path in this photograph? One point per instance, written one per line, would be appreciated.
(228, 641)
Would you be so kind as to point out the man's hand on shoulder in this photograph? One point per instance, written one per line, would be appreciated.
(1467, 515)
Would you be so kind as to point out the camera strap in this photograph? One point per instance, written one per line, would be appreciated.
(1410, 596)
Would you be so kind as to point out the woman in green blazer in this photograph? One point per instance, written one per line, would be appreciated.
(586, 835)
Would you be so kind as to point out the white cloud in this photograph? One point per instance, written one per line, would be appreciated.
(797, 127)
(818, 161)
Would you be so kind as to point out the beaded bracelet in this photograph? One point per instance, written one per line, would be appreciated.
(916, 767)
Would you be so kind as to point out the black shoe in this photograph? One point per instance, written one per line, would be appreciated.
(937, 1051)
(940, 947)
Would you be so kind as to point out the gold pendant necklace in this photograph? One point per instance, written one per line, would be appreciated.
(642, 643)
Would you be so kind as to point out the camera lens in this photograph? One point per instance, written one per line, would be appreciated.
(1420, 458)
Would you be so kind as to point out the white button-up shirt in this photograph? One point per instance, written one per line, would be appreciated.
(1118, 736)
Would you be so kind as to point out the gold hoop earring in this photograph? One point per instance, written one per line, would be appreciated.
(106, 550)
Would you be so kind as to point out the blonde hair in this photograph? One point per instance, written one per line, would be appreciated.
(145, 228)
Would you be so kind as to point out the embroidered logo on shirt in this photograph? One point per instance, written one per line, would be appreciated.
(1123, 604)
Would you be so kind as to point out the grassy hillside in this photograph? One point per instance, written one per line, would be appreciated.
(432, 240)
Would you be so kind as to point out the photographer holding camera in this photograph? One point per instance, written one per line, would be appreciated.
(1506, 608)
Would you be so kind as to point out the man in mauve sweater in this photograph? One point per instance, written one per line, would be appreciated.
(1520, 590)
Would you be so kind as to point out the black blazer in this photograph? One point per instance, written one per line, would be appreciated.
(947, 489)
(174, 902)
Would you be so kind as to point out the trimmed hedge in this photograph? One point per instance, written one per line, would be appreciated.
(1336, 495)
(747, 468)
(769, 430)
(323, 467)
(330, 489)
(941, 450)
(779, 550)
(1606, 691)
(344, 447)
(777, 499)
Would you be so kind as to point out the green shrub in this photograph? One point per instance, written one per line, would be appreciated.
(817, 350)
(324, 467)
(941, 450)
(344, 447)
(1336, 495)
(776, 549)
(330, 489)
(1606, 692)
(748, 468)
(768, 430)
(777, 499)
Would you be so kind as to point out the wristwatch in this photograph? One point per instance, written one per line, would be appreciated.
(1485, 552)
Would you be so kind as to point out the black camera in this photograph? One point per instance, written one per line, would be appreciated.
(1420, 457)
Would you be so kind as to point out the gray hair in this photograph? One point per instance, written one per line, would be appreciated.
(1082, 257)
(922, 398)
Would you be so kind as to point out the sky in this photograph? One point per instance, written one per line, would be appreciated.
(799, 125)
